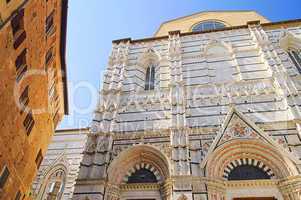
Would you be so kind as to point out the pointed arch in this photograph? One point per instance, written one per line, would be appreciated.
(61, 161)
(150, 78)
(248, 143)
(60, 165)
(136, 157)
(149, 57)
(147, 69)
(217, 48)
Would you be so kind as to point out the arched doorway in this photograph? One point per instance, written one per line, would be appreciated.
(248, 169)
(245, 162)
(141, 172)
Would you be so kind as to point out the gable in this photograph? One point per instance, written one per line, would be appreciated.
(238, 127)
(229, 18)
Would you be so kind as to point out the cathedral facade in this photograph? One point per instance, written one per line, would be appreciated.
(56, 177)
(207, 109)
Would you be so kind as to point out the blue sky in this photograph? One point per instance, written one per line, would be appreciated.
(93, 24)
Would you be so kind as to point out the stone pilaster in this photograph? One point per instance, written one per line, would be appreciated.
(180, 152)
(179, 137)
(176, 81)
(166, 190)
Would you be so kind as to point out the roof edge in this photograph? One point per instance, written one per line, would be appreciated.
(200, 32)
(63, 41)
(72, 129)
(196, 13)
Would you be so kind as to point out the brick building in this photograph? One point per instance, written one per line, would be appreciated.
(208, 109)
(33, 88)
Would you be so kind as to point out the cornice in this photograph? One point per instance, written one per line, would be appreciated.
(139, 186)
(72, 131)
(190, 131)
(139, 134)
(251, 183)
(160, 132)
(264, 25)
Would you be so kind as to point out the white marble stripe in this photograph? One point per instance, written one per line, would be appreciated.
(137, 167)
(248, 161)
(234, 163)
(227, 170)
(152, 169)
(230, 166)
(266, 168)
(255, 162)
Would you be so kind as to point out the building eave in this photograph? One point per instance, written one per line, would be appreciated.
(264, 25)
(72, 130)
(63, 39)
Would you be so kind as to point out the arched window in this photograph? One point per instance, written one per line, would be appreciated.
(150, 78)
(55, 186)
(207, 25)
(248, 172)
(142, 176)
(296, 58)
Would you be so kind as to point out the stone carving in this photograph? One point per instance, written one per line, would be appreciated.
(91, 144)
(183, 197)
(238, 129)
(117, 149)
(102, 144)
(165, 148)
